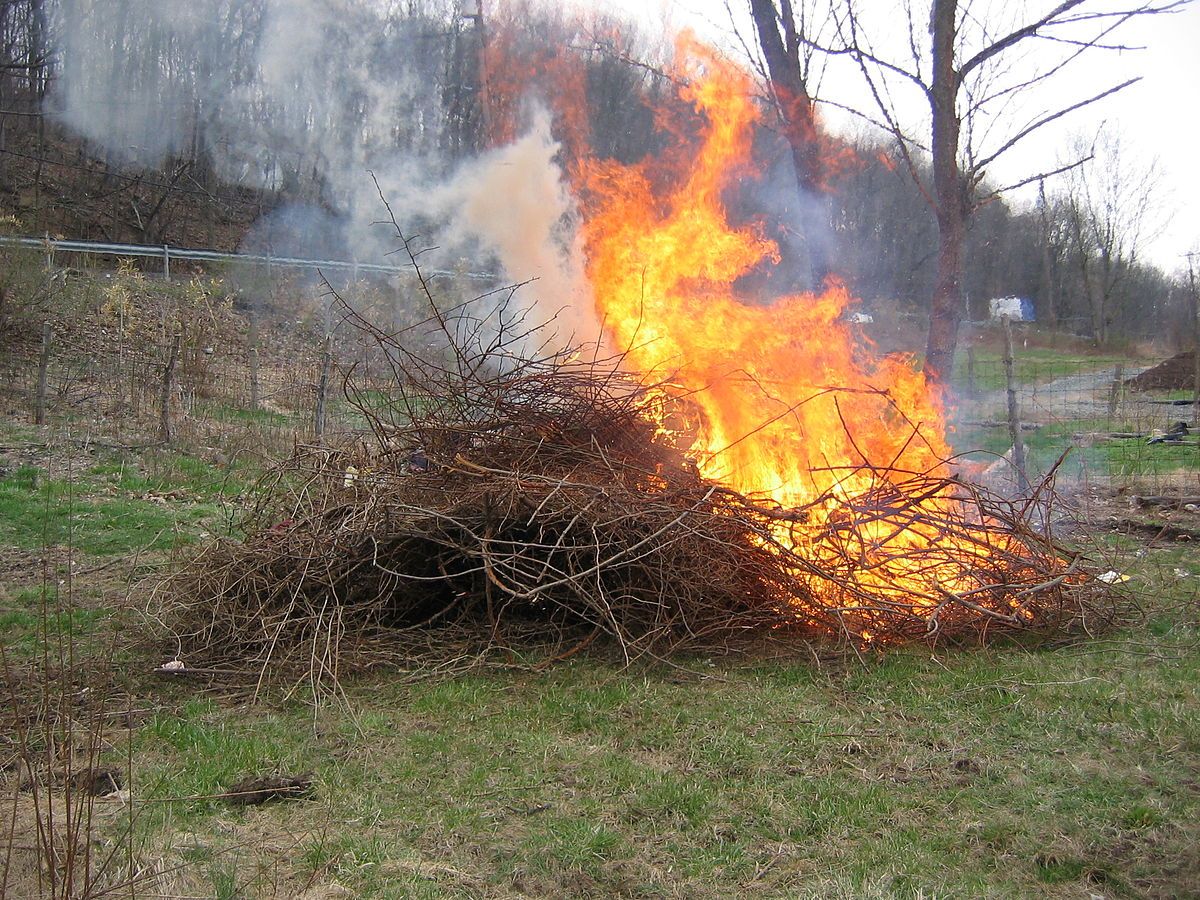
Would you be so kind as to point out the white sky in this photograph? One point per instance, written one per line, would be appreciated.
(1157, 118)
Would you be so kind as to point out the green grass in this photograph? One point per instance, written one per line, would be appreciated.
(985, 773)
(199, 733)
(37, 512)
(1124, 458)
(1184, 394)
(391, 407)
(265, 418)
(46, 616)
(161, 472)
(1136, 457)
(998, 773)
(89, 515)
(917, 773)
(150, 503)
(1031, 365)
(26, 630)
(1042, 445)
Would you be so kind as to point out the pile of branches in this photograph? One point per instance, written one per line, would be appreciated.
(544, 509)
(503, 500)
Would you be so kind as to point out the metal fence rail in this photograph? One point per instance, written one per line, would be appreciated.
(167, 253)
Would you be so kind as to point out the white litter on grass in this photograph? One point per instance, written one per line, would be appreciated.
(1112, 576)
(174, 665)
(1182, 573)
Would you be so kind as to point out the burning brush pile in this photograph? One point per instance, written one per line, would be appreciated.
(538, 504)
(543, 503)
(733, 467)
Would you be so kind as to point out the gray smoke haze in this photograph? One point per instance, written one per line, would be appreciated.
(307, 98)
(515, 201)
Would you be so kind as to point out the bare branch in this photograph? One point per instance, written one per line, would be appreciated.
(1016, 37)
(1058, 18)
(881, 124)
(888, 113)
(1047, 119)
(1040, 176)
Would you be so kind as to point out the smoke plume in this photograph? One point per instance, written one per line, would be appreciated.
(307, 98)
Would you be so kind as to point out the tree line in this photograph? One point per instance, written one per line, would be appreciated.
(163, 121)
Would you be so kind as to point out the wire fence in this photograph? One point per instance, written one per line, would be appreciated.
(1101, 419)
(208, 380)
(131, 392)
(57, 251)
(178, 366)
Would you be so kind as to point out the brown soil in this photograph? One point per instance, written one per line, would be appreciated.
(77, 195)
(1176, 373)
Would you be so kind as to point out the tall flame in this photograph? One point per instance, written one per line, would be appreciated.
(789, 407)
(792, 410)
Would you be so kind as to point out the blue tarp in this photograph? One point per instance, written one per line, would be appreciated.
(1019, 309)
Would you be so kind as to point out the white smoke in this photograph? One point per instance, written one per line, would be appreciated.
(308, 98)
(514, 201)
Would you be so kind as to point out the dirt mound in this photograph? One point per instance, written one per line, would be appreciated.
(1174, 374)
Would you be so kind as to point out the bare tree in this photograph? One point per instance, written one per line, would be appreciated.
(788, 59)
(1050, 243)
(978, 66)
(1109, 205)
(883, 229)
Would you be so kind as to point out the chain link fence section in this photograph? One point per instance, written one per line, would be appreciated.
(1079, 409)
(1085, 412)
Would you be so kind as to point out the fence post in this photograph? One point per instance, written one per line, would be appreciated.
(39, 416)
(254, 398)
(1196, 341)
(164, 427)
(1014, 418)
(166, 263)
(323, 386)
(1114, 393)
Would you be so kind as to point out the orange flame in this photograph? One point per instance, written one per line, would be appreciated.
(512, 63)
(787, 409)
(792, 408)
(782, 402)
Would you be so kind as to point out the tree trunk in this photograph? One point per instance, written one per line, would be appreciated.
(945, 313)
(1049, 308)
(796, 113)
(1097, 305)
(1050, 302)
(946, 310)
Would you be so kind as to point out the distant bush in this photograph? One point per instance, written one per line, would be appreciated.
(26, 291)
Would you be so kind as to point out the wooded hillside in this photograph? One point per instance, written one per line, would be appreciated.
(253, 124)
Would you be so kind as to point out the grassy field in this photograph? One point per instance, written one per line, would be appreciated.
(974, 774)
(794, 772)
(1067, 402)
(1122, 458)
(1031, 365)
(788, 771)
